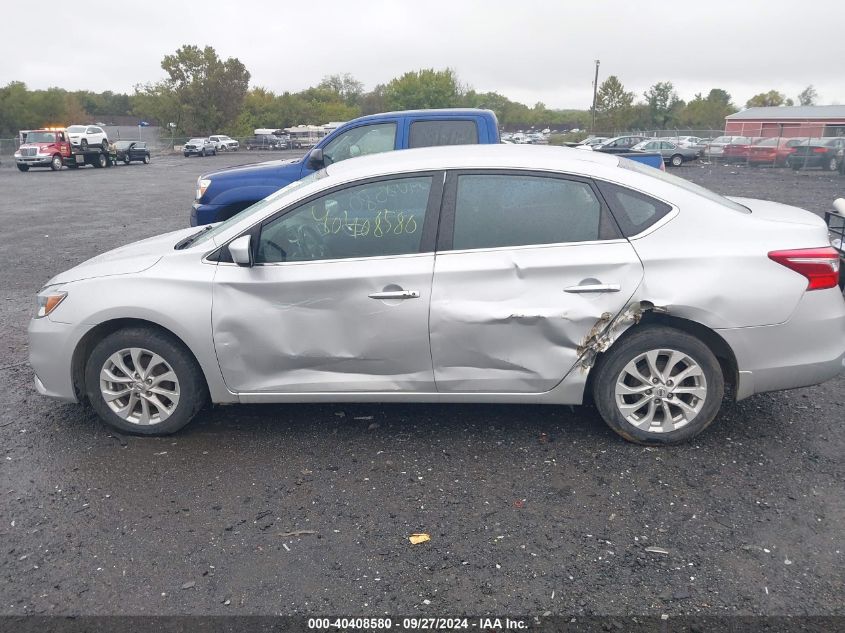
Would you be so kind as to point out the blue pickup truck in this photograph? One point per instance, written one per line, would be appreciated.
(222, 194)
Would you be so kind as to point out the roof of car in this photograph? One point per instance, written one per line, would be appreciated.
(433, 113)
(502, 156)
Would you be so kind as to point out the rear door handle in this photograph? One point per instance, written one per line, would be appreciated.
(396, 294)
(594, 288)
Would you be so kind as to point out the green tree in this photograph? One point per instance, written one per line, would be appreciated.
(208, 91)
(346, 87)
(707, 113)
(427, 88)
(808, 96)
(663, 104)
(613, 106)
(768, 99)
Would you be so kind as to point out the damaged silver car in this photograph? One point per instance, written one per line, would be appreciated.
(503, 274)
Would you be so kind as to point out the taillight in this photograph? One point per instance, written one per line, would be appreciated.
(819, 265)
(819, 150)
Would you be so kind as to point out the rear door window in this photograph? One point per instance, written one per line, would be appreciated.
(634, 211)
(502, 210)
(435, 133)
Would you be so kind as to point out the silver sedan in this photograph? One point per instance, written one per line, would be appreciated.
(503, 274)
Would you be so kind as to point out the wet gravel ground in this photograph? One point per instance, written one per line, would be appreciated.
(308, 509)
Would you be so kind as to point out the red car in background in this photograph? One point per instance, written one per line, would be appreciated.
(738, 150)
(773, 151)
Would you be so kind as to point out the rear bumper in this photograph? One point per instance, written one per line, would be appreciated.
(806, 350)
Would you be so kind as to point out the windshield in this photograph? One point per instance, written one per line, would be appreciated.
(197, 140)
(76, 128)
(682, 183)
(41, 137)
(259, 206)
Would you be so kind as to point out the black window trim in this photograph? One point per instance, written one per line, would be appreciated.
(429, 229)
(608, 228)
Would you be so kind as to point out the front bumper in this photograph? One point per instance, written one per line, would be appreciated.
(39, 160)
(203, 213)
(808, 349)
(51, 346)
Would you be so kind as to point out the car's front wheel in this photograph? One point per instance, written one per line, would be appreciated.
(146, 159)
(56, 163)
(658, 385)
(143, 381)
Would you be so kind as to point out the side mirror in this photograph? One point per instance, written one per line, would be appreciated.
(241, 251)
(316, 160)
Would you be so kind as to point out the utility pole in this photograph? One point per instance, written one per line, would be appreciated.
(595, 92)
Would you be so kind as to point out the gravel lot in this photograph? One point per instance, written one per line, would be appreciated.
(530, 509)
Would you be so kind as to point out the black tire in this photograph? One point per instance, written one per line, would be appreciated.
(646, 338)
(146, 160)
(83, 145)
(186, 155)
(677, 160)
(795, 166)
(127, 160)
(101, 161)
(193, 392)
(105, 145)
(832, 164)
(23, 167)
(56, 163)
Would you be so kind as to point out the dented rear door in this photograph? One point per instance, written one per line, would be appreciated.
(527, 265)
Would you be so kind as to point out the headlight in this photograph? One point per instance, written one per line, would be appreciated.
(48, 300)
(202, 185)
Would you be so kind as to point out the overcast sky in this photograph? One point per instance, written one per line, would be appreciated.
(527, 50)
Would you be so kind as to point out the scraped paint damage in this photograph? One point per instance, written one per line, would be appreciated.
(607, 330)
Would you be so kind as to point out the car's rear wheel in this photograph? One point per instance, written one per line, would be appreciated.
(142, 381)
(56, 163)
(832, 164)
(677, 160)
(658, 385)
(83, 144)
(102, 161)
(126, 159)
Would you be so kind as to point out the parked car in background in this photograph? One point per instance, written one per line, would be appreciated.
(621, 143)
(85, 136)
(817, 152)
(715, 149)
(449, 287)
(129, 151)
(223, 143)
(265, 141)
(200, 147)
(673, 154)
(738, 150)
(589, 143)
(772, 151)
(684, 141)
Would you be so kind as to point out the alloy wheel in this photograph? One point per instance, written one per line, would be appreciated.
(139, 386)
(661, 390)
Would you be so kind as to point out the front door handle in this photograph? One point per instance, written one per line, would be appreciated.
(594, 288)
(396, 294)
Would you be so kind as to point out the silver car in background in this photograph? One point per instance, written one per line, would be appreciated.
(499, 274)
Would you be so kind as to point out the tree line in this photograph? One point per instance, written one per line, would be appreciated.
(203, 94)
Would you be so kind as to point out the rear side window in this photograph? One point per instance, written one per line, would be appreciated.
(634, 212)
(500, 210)
(434, 133)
